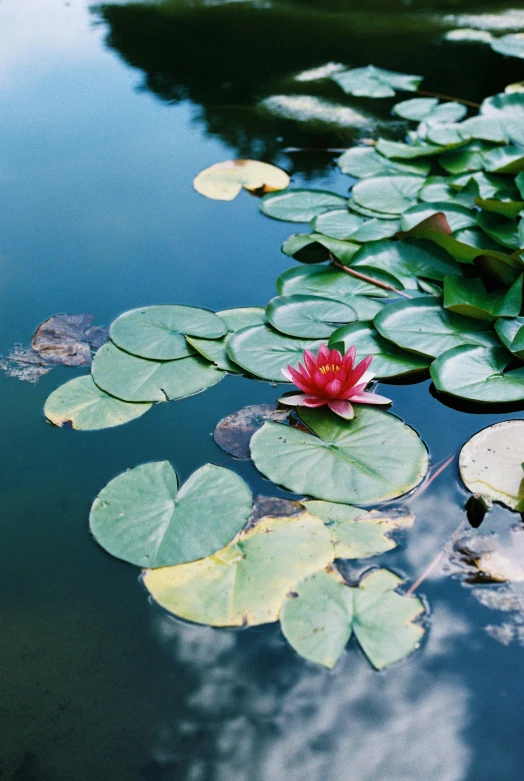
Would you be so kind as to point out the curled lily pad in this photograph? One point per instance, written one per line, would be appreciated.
(68, 339)
(326, 281)
(142, 516)
(407, 260)
(157, 332)
(388, 359)
(511, 334)
(233, 433)
(375, 82)
(457, 216)
(214, 350)
(491, 463)
(80, 404)
(372, 458)
(264, 352)
(372, 213)
(390, 193)
(223, 181)
(425, 327)
(469, 297)
(364, 161)
(136, 379)
(300, 205)
(323, 612)
(317, 248)
(500, 229)
(312, 317)
(358, 534)
(478, 374)
(246, 582)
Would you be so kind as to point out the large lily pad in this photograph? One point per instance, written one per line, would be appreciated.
(326, 281)
(157, 332)
(372, 458)
(407, 260)
(264, 352)
(388, 359)
(141, 516)
(478, 374)
(372, 82)
(223, 181)
(300, 205)
(305, 316)
(214, 350)
(80, 404)
(136, 379)
(425, 327)
(364, 161)
(324, 611)
(390, 193)
(491, 463)
(358, 534)
(247, 581)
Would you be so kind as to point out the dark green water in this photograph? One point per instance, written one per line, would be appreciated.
(106, 117)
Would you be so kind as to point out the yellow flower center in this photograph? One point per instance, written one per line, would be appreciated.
(328, 368)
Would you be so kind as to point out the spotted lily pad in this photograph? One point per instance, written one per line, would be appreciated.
(246, 582)
(491, 463)
(223, 181)
(372, 458)
(478, 374)
(142, 516)
(323, 612)
(80, 404)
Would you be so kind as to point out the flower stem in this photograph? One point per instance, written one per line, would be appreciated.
(371, 281)
(447, 97)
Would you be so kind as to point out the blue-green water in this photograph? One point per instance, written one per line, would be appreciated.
(100, 141)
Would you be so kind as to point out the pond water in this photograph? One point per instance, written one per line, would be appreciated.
(107, 115)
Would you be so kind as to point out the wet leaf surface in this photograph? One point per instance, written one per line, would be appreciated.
(233, 433)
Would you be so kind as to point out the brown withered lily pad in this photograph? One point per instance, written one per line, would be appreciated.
(68, 339)
(234, 432)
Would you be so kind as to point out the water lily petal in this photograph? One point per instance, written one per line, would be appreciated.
(287, 373)
(349, 358)
(310, 361)
(313, 401)
(369, 398)
(342, 408)
(293, 400)
(323, 354)
(333, 388)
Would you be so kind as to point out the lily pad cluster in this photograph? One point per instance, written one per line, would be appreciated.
(436, 223)
(214, 556)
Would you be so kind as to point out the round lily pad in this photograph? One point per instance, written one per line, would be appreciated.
(388, 359)
(372, 458)
(264, 352)
(393, 193)
(308, 316)
(245, 583)
(373, 82)
(81, 405)
(327, 282)
(136, 379)
(491, 462)
(300, 205)
(223, 181)
(214, 350)
(142, 517)
(365, 161)
(425, 327)
(157, 332)
(478, 374)
(344, 225)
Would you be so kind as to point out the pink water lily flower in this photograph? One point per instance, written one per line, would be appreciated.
(333, 379)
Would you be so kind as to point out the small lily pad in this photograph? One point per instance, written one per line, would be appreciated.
(364, 161)
(478, 374)
(300, 205)
(214, 350)
(223, 181)
(372, 82)
(233, 433)
(390, 193)
(470, 298)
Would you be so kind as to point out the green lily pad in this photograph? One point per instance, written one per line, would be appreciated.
(399, 151)
(511, 334)
(372, 82)
(357, 534)
(490, 463)
(470, 298)
(326, 281)
(245, 583)
(323, 613)
(390, 193)
(264, 352)
(509, 109)
(505, 160)
(510, 209)
(483, 128)
(157, 332)
(406, 260)
(512, 45)
(364, 212)
(141, 516)
(308, 316)
(430, 111)
(499, 229)
(317, 248)
(214, 350)
(79, 404)
(468, 158)
(388, 359)
(130, 378)
(347, 226)
(372, 458)
(478, 374)
(425, 327)
(364, 161)
(458, 217)
(300, 205)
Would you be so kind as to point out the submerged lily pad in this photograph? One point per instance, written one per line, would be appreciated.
(136, 379)
(491, 461)
(264, 352)
(233, 433)
(358, 534)
(300, 205)
(312, 317)
(223, 181)
(372, 82)
(388, 359)
(372, 458)
(478, 374)
(323, 613)
(214, 350)
(142, 517)
(157, 332)
(245, 583)
(80, 404)
(425, 327)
